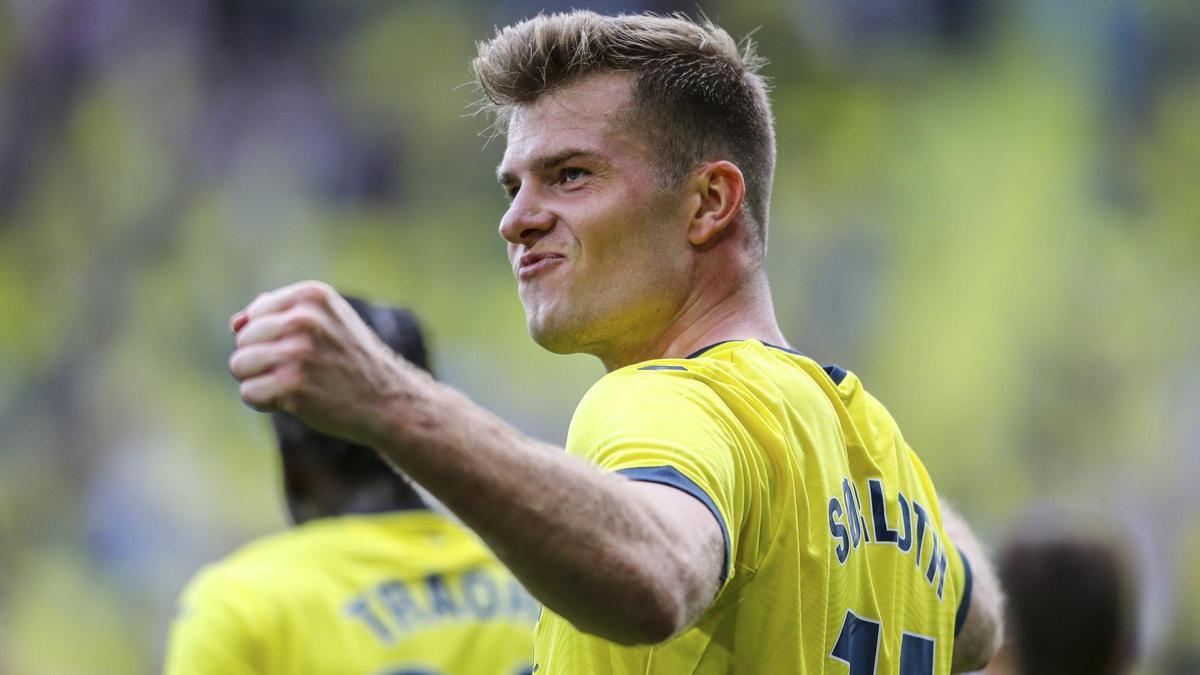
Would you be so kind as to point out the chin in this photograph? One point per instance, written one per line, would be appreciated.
(554, 333)
(554, 341)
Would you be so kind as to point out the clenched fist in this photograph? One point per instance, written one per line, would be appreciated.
(303, 350)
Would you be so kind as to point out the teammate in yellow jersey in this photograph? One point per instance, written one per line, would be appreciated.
(721, 509)
(371, 581)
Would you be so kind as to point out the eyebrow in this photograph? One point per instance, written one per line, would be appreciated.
(544, 163)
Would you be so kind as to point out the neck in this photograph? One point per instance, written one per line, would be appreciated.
(745, 312)
(379, 497)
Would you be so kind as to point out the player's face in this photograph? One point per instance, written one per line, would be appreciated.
(597, 243)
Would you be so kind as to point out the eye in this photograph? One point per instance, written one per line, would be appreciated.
(573, 173)
(511, 190)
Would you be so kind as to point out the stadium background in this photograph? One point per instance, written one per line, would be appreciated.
(989, 210)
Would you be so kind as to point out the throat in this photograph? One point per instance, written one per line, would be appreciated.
(693, 329)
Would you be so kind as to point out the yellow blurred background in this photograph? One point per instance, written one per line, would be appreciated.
(990, 211)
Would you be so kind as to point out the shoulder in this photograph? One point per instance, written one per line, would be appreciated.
(220, 605)
(239, 574)
(695, 378)
(652, 390)
(254, 569)
(221, 622)
(260, 554)
(661, 409)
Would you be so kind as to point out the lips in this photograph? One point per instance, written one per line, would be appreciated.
(532, 264)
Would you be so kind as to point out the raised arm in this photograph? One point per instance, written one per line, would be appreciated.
(631, 562)
(982, 631)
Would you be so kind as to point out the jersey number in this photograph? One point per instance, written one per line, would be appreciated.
(858, 646)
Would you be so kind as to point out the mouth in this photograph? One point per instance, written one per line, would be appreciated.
(532, 264)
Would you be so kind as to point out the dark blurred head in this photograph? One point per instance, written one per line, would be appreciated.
(1071, 606)
(328, 476)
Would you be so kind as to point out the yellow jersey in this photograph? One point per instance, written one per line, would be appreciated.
(836, 558)
(402, 593)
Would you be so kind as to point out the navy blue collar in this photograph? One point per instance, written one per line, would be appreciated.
(836, 373)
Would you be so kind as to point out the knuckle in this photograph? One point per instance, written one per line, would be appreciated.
(250, 397)
(301, 320)
(289, 379)
(313, 291)
(297, 350)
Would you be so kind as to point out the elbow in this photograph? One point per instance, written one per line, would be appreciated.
(991, 643)
(666, 618)
(635, 605)
(637, 614)
(658, 618)
(650, 608)
(669, 603)
(976, 658)
(980, 639)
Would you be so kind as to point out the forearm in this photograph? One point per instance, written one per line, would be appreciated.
(579, 539)
(982, 631)
(628, 561)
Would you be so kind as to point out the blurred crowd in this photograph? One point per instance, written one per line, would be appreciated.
(988, 210)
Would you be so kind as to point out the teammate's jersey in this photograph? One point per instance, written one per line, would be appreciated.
(408, 593)
(836, 559)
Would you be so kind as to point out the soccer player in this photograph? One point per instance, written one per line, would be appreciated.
(370, 581)
(724, 504)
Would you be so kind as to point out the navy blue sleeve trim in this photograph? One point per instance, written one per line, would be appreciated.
(964, 603)
(662, 368)
(669, 475)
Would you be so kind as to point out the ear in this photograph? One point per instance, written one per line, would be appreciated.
(722, 190)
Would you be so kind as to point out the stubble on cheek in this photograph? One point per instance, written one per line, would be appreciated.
(563, 320)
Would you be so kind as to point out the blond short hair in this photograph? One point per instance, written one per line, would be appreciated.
(697, 94)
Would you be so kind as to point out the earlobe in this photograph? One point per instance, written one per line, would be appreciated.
(721, 189)
(703, 231)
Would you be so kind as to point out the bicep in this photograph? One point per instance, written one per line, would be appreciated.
(693, 536)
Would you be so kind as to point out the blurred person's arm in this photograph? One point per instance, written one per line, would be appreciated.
(982, 630)
(214, 630)
(632, 562)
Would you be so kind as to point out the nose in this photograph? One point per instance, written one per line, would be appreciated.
(526, 220)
